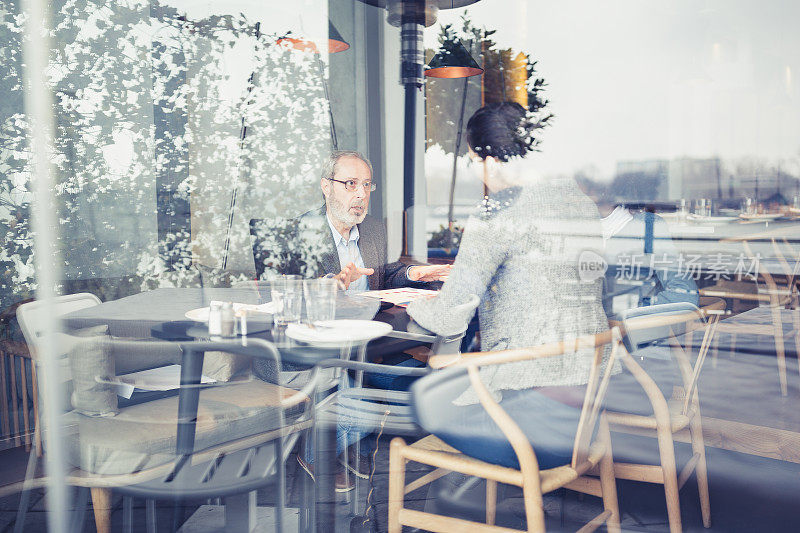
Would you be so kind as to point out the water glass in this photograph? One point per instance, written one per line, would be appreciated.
(682, 209)
(287, 295)
(748, 206)
(320, 299)
(702, 207)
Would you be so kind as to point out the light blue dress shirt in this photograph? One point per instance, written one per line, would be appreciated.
(349, 253)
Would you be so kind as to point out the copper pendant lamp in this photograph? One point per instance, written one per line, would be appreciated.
(336, 42)
(452, 61)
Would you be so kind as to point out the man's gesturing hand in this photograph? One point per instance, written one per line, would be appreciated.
(351, 273)
(429, 273)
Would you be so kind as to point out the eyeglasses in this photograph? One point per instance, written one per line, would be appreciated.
(352, 185)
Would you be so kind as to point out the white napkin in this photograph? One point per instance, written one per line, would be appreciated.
(337, 331)
(238, 309)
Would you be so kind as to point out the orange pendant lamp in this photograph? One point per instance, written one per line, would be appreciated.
(336, 42)
(452, 61)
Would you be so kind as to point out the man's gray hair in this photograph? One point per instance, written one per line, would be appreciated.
(329, 168)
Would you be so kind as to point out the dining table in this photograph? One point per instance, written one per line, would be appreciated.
(718, 246)
(746, 342)
(742, 406)
(162, 314)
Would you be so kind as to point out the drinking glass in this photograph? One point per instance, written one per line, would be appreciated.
(795, 202)
(320, 297)
(748, 206)
(702, 207)
(682, 209)
(287, 294)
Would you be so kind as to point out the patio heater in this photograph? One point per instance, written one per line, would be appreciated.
(412, 16)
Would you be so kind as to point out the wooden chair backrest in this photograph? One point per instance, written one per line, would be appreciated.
(782, 292)
(593, 399)
(595, 394)
(704, 320)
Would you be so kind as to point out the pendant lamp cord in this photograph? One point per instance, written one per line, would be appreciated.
(242, 135)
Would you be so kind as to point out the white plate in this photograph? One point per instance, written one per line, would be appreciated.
(198, 315)
(761, 216)
(201, 314)
(711, 219)
(332, 333)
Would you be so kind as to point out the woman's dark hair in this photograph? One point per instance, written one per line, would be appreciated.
(501, 130)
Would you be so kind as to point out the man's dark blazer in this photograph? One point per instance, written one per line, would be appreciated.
(309, 249)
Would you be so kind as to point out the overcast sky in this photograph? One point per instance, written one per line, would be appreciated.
(633, 79)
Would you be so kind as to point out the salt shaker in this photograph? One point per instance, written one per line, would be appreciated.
(215, 319)
(243, 323)
(228, 321)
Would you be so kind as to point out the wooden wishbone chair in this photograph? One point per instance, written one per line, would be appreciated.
(590, 450)
(673, 415)
(778, 291)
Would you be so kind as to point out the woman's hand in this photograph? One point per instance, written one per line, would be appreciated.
(429, 272)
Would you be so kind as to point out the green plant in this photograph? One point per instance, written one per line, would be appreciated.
(446, 238)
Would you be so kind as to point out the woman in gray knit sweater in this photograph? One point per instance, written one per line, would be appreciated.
(520, 256)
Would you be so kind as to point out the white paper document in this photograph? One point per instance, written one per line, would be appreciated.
(400, 297)
(156, 379)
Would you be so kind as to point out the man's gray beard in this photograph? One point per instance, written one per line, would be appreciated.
(342, 215)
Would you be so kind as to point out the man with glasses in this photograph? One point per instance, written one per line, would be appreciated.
(359, 261)
(356, 256)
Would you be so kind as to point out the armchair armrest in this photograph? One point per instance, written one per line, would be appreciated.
(536, 352)
(304, 393)
(406, 335)
(374, 368)
(440, 361)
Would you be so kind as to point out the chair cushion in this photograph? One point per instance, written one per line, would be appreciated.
(89, 359)
(92, 355)
(223, 366)
(549, 425)
(390, 382)
(131, 358)
(144, 435)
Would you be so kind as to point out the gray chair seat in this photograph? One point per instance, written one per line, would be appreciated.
(144, 435)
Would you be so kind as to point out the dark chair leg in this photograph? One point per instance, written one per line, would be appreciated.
(280, 504)
(24, 501)
(79, 516)
(127, 514)
(150, 511)
(25, 497)
(178, 515)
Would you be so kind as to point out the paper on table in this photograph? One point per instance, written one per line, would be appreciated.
(400, 297)
(258, 308)
(156, 379)
(201, 314)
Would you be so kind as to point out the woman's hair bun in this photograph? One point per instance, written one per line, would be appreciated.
(502, 130)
